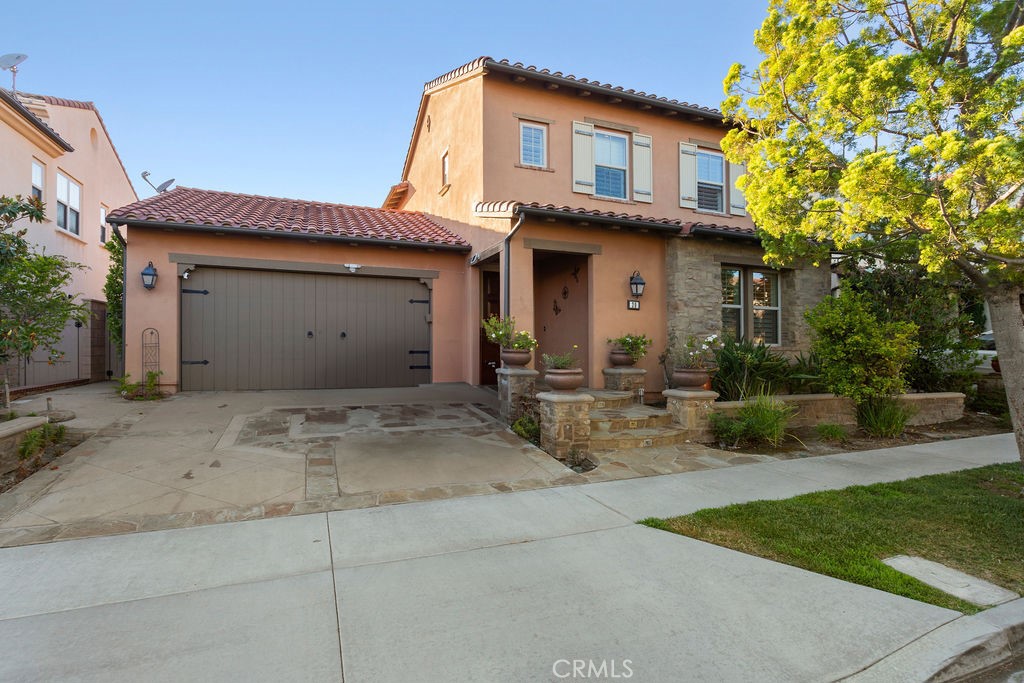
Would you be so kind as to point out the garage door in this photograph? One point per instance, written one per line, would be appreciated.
(251, 329)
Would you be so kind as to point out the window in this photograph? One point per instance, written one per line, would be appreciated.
(710, 181)
(760, 321)
(602, 162)
(38, 173)
(610, 164)
(103, 224)
(533, 146)
(444, 169)
(69, 199)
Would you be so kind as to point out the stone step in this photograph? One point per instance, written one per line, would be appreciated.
(636, 438)
(632, 417)
(610, 399)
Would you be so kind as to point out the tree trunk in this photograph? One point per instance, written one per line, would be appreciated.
(1005, 309)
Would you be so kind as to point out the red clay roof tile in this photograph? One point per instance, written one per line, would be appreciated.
(212, 209)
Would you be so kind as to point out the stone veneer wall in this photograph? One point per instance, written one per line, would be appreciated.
(813, 409)
(694, 293)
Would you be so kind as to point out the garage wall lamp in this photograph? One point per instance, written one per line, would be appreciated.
(636, 285)
(149, 276)
(353, 267)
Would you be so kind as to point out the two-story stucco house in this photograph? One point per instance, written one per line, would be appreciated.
(59, 150)
(524, 192)
(573, 186)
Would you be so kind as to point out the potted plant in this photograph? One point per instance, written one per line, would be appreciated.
(562, 371)
(692, 361)
(516, 345)
(628, 349)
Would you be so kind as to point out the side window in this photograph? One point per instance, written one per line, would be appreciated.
(38, 176)
(611, 164)
(444, 169)
(69, 199)
(103, 224)
(604, 161)
(533, 144)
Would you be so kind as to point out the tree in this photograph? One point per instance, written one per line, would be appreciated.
(34, 309)
(892, 130)
(113, 289)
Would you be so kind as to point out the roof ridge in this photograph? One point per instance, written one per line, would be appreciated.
(63, 101)
(293, 199)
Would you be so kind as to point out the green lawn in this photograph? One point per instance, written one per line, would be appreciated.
(971, 520)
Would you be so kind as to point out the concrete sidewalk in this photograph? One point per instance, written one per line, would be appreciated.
(503, 587)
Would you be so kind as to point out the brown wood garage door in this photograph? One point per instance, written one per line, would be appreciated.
(253, 329)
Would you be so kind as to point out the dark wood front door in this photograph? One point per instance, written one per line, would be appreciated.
(490, 296)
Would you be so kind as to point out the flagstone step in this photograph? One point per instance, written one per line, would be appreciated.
(610, 399)
(636, 438)
(632, 417)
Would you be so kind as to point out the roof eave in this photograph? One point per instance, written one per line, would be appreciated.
(257, 232)
(34, 121)
(601, 90)
(725, 234)
(604, 220)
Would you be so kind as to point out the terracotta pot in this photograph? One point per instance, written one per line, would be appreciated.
(569, 379)
(690, 379)
(515, 358)
(620, 358)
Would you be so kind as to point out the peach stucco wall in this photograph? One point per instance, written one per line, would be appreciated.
(450, 121)
(504, 102)
(93, 165)
(608, 289)
(159, 308)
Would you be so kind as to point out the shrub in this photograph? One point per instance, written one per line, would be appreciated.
(805, 375)
(747, 369)
(503, 332)
(141, 391)
(829, 431)
(883, 416)
(861, 356)
(762, 420)
(561, 361)
(31, 443)
(944, 358)
(527, 428)
(634, 344)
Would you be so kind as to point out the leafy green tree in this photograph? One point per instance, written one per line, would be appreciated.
(113, 289)
(34, 308)
(892, 130)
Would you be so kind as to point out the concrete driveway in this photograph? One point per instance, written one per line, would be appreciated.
(198, 458)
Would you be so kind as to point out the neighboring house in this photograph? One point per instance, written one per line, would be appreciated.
(524, 192)
(60, 151)
(572, 186)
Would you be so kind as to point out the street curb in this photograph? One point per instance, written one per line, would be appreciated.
(956, 649)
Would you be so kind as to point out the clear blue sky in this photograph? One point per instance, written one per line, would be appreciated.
(317, 100)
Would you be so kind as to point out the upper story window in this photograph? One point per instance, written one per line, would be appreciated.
(710, 181)
(705, 179)
(750, 304)
(533, 144)
(38, 175)
(103, 224)
(69, 199)
(611, 165)
(444, 169)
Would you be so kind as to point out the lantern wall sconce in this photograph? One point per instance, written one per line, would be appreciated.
(149, 276)
(636, 285)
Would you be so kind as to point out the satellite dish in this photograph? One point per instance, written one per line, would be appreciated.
(162, 187)
(10, 63)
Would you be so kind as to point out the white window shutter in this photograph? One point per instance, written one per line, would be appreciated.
(582, 157)
(687, 175)
(737, 202)
(643, 169)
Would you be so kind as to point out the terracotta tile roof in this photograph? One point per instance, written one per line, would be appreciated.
(12, 100)
(210, 209)
(78, 104)
(609, 217)
(531, 71)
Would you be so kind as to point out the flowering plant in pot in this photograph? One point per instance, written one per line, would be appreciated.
(692, 360)
(516, 345)
(629, 348)
(562, 371)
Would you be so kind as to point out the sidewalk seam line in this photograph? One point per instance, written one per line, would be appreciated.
(334, 589)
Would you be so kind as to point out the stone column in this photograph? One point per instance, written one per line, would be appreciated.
(565, 424)
(516, 387)
(624, 379)
(690, 410)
